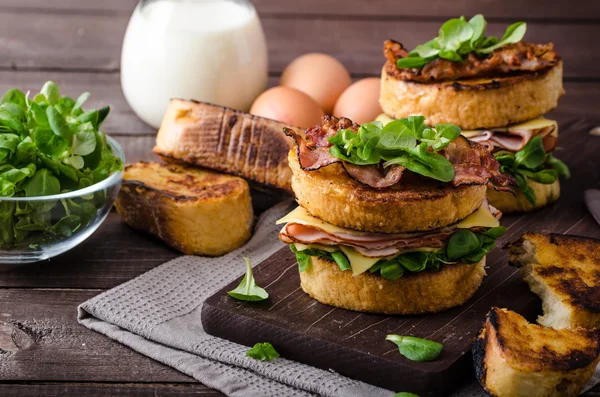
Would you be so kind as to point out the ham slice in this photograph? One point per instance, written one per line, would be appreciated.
(373, 245)
(473, 163)
(516, 139)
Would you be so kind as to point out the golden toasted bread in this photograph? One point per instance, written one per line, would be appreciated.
(330, 194)
(474, 103)
(508, 203)
(415, 293)
(564, 271)
(513, 358)
(225, 140)
(195, 211)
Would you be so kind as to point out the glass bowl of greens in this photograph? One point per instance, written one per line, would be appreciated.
(59, 174)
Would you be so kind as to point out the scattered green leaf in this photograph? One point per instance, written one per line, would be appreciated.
(263, 352)
(416, 349)
(248, 290)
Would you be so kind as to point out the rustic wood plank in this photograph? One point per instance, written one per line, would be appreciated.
(41, 340)
(512, 9)
(579, 101)
(75, 389)
(68, 41)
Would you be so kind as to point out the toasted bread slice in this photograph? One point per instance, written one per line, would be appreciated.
(513, 358)
(508, 203)
(564, 271)
(195, 211)
(225, 140)
(330, 194)
(474, 103)
(415, 293)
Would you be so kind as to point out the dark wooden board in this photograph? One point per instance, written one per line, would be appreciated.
(354, 345)
(92, 42)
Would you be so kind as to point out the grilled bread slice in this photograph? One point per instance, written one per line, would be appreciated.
(564, 271)
(513, 358)
(225, 140)
(416, 293)
(195, 211)
(474, 103)
(545, 194)
(330, 194)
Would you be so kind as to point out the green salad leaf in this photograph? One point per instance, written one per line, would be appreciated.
(458, 37)
(263, 351)
(463, 246)
(407, 142)
(405, 394)
(46, 148)
(248, 290)
(416, 349)
(532, 162)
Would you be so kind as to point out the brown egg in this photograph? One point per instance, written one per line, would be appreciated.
(360, 101)
(289, 106)
(321, 76)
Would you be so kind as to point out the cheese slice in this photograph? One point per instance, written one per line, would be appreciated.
(303, 247)
(302, 217)
(359, 263)
(480, 218)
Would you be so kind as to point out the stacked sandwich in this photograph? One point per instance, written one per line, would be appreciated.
(496, 90)
(391, 219)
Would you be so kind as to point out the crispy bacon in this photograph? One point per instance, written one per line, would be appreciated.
(473, 163)
(505, 61)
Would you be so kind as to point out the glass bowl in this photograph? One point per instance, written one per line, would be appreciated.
(74, 216)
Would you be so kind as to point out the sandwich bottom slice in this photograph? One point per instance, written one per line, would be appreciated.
(391, 273)
(564, 271)
(422, 292)
(515, 358)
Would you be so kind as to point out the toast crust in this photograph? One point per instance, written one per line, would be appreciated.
(195, 211)
(225, 140)
(565, 272)
(513, 357)
(416, 293)
(545, 194)
(474, 103)
(330, 194)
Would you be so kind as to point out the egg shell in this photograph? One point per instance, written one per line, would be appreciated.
(360, 101)
(321, 76)
(289, 106)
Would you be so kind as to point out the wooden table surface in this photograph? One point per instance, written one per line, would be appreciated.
(77, 43)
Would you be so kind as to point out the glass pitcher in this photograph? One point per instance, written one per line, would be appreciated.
(207, 50)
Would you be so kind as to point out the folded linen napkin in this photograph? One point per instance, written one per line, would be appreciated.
(158, 315)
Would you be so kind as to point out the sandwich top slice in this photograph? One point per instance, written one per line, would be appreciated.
(398, 273)
(503, 88)
(565, 272)
(515, 358)
(465, 78)
(400, 178)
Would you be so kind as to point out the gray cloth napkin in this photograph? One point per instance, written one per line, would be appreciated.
(158, 315)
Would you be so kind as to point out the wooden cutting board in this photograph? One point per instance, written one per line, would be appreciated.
(353, 344)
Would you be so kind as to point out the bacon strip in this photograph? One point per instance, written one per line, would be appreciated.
(506, 60)
(473, 163)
